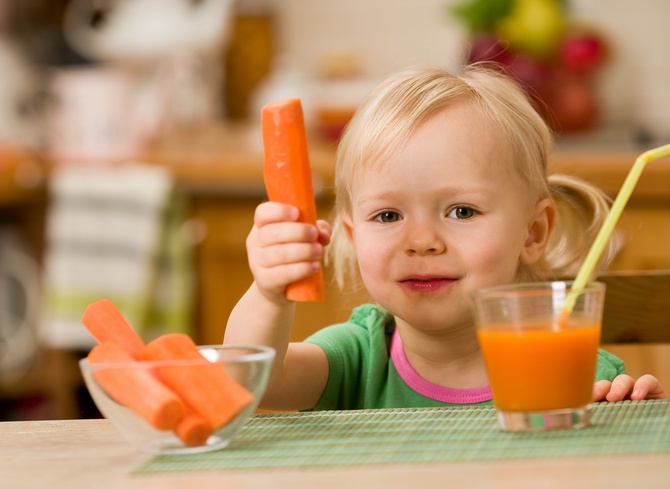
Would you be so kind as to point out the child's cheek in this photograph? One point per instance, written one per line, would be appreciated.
(373, 263)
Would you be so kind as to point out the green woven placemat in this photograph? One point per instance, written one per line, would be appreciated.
(400, 436)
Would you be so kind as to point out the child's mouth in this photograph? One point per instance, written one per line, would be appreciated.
(426, 285)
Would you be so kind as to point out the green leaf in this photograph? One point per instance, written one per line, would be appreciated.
(481, 15)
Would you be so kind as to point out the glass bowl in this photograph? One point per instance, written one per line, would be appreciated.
(121, 394)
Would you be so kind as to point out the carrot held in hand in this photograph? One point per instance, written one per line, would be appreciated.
(136, 388)
(106, 323)
(288, 178)
(207, 388)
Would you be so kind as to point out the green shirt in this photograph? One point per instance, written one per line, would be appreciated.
(368, 369)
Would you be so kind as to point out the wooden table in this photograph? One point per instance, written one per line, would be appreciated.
(85, 454)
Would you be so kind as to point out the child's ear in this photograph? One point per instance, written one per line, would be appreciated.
(348, 227)
(539, 230)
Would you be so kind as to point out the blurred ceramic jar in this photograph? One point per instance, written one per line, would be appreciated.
(95, 115)
(21, 98)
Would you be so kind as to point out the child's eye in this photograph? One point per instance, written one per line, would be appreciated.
(462, 213)
(387, 216)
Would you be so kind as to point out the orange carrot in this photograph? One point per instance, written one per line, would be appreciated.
(106, 323)
(193, 430)
(288, 178)
(207, 389)
(136, 388)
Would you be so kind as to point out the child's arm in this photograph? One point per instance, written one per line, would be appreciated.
(626, 387)
(281, 251)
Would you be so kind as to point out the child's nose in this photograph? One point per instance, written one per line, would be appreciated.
(423, 239)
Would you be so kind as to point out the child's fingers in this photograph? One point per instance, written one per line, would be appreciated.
(284, 233)
(282, 250)
(288, 253)
(325, 231)
(600, 390)
(622, 386)
(275, 266)
(269, 212)
(287, 274)
(626, 387)
(648, 387)
(272, 282)
(276, 223)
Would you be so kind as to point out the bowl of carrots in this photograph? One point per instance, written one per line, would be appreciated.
(170, 395)
(178, 406)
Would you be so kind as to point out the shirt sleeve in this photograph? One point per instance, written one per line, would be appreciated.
(609, 366)
(357, 357)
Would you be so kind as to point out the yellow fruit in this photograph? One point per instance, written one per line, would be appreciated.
(533, 27)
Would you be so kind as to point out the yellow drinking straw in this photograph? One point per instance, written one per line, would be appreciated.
(608, 226)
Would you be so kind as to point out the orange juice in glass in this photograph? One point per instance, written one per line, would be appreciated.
(541, 362)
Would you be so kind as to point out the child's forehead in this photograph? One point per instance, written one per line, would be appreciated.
(449, 176)
(455, 128)
(453, 122)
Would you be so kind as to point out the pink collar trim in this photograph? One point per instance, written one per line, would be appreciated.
(428, 389)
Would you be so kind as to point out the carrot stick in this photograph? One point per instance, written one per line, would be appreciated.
(136, 388)
(207, 389)
(288, 178)
(106, 323)
(193, 430)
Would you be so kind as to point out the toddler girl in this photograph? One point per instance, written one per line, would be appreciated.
(441, 189)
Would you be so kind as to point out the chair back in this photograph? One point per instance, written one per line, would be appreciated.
(637, 307)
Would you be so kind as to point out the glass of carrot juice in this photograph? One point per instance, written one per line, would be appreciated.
(540, 356)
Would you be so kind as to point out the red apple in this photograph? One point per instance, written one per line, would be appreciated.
(582, 52)
(571, 103)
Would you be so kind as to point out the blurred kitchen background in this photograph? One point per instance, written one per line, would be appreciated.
(130, 152)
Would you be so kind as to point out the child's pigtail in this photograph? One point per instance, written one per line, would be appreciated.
(581, 210)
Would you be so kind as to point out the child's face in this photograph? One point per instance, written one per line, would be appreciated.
(444, 216)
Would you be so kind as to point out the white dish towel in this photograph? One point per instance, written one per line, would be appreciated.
(115, 232)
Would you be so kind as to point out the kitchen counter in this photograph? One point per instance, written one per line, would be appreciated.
(229, 159)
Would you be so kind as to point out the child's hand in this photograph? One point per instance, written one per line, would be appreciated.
(281, 250)
(626, 387)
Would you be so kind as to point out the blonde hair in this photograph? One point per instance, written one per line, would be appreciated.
(404, 101)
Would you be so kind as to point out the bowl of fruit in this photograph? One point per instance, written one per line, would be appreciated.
(537, 43)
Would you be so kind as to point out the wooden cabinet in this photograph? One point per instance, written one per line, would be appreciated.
(645, 229)
(644, 226)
